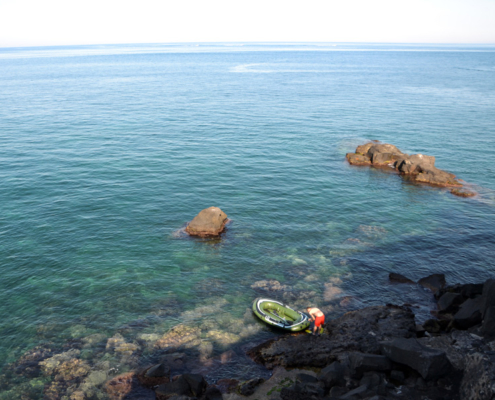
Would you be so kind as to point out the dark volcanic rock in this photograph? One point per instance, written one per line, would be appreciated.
(361, 362)
(449, 301)
(212, 393)
(393, 277)
(429, 363)
(332, 375)
(434, 282)
(488, 295)
(469, 313)
(488, 328)
(360, 331)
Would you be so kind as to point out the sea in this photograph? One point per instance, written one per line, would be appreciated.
(108, 151)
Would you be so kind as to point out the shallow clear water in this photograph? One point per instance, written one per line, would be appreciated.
(107, 151)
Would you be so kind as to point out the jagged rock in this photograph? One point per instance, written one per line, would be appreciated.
(418, 167)
(332, 375)
(435, 176)
(393, 277)
(363, 149)
(360, 330)
(488, 295)
(209, 222)
(430, 363)
(488, 328)
(247, 388)
(361, 362)
(469, 313)
(358, 392)
(434, 282)
(449, 301)
(478, 381)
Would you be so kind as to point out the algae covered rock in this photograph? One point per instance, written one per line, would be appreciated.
(209, 222)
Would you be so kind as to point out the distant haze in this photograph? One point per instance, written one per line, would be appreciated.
(57, 22)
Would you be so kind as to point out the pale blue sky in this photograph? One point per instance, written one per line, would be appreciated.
(65, 22)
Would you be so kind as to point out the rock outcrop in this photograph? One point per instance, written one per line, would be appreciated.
(209, 222)
(417, 167)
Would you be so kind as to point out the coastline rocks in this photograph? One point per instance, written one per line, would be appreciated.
(430, 363)
(359, 331)
(417, 167)
(209, 222)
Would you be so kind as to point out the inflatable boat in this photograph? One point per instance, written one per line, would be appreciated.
(280, 315)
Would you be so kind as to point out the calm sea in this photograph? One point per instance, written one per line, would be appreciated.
(106, 152)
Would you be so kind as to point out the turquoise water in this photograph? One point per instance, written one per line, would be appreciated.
(106, 152)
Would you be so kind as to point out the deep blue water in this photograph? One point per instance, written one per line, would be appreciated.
(107, 151)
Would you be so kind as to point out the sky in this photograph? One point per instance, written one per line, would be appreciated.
(73, 22)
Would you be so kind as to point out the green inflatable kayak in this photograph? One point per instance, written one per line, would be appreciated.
(278, 314)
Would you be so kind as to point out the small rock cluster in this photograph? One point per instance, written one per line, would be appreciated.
(417, 167)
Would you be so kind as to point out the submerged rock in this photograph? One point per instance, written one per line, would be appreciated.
(209, 222)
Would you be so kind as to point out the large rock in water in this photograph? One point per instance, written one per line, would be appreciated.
(418, 167)
(209, 222)
(360, 331)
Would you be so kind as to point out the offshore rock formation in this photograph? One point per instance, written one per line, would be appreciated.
(417, 167)
(209, 222)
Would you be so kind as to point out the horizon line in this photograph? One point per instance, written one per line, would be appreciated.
(250, 42)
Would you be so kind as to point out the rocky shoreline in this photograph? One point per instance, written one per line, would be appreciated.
(376, 352)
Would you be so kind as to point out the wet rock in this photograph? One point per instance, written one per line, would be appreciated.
(360, 330)
(469, 313)
(449, 302)
(463, 192)
(393, 277)
(434, 282)
(222, 339)
(247, 388)
(209, 222)
(435, 176)
(358, 159)
(429, 363)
